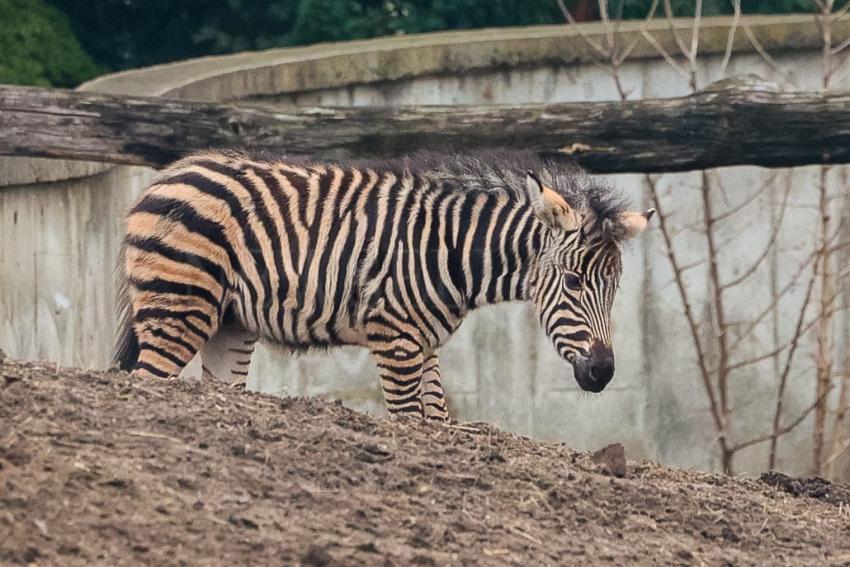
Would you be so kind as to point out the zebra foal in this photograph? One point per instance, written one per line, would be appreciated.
(224, 249)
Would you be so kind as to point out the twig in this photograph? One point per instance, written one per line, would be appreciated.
(730, 38)
(650, 15)
(779, 349)
(779, 432)
(753, 325)
(668, 13)
(463, 428)
(663, 52)
(150, 435)
(768, 247)
(771, 178)
(580, 30)
(721, 336)
(689, 315)
(837, 453)
(840, 13)
(525, 535)
(767, 57)
(841, 46)
(783, 378)
(606, 23)
(692, 54)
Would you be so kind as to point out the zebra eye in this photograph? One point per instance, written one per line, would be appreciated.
(572, 281)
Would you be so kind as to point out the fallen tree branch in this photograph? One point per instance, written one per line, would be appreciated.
(730, 123)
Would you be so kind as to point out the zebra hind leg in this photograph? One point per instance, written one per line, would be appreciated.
(433, 396)
(174, 299)
(227, 355)
(169, 339)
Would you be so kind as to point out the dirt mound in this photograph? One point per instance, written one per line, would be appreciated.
(98, 468)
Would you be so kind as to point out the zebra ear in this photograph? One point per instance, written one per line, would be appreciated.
(549, 206)
(635, 222)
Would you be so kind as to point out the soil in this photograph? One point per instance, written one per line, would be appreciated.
(97, 468)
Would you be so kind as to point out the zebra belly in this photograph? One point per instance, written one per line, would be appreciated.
(300, 320)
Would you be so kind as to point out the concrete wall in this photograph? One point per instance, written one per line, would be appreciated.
(60, 227)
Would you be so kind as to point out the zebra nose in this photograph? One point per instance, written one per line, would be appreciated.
(602, 365)
(603, 371)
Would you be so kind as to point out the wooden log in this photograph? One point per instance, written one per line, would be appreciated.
(742, 122)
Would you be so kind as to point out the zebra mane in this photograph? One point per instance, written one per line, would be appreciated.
(503, 170)
(498, 171)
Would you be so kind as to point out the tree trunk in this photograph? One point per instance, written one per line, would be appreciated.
(743, 122)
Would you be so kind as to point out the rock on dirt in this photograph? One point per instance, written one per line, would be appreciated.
(612, 460)
(97, 468)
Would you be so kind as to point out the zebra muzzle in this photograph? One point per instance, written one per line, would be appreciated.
(594, 372)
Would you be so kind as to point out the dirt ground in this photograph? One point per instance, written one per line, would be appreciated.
(99, 469)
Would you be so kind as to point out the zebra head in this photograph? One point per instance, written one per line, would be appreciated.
(578, 273)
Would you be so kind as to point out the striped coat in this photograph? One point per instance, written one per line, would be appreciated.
(224, 249)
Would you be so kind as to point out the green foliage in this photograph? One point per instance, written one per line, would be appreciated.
(132, 33)
(38, 47)
(685, 8)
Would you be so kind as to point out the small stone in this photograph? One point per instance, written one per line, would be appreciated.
(729, 534)
(243, 522)
(42, 527)
(612, 460)
(373, 453)
(368, 547)
(317, 556)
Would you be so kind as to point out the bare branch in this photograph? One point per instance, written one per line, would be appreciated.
(779, 432)
(821, 5)
(754, 323)
(778, 350)
(606, 22)
(702, 363)
(767, 57)
(717, 299)
(697, 21)
(843, 405)
(749, 199)
(783, 379)
(840, 47)
(770, 243)
(730, 38)
(628, 50)
(823, 356)
(840, 13)
(668, 13)
(596, 46)
(788, 287)
(838, 452)
(840, 66)
(663, 52)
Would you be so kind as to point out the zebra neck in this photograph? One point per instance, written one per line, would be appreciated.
(498, 251)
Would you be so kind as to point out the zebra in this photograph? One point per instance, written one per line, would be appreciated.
(225, 248)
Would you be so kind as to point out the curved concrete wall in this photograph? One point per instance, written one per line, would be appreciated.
(60, 226)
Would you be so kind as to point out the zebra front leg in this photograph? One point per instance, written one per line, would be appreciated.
(400, 369)
(433, 396)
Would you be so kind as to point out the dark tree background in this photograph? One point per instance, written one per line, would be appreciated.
(38, 47)
(40, 39)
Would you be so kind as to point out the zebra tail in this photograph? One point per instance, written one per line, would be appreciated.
(126, 352)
